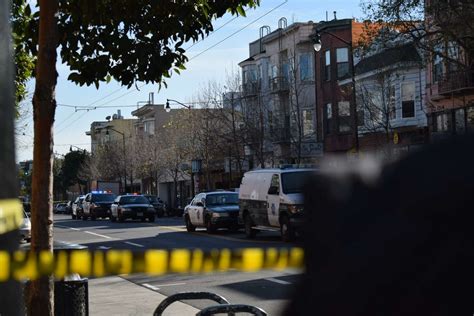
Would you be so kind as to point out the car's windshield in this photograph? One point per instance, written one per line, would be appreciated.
(222, 199)
(293, 182)
(103, 197)
(134, 200)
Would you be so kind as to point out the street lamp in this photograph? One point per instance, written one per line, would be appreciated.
(168, 108)
(124, 153)
(317, 45)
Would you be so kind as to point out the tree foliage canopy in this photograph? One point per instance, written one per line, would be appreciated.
(24, 61)
(130, 41)
(431, 24)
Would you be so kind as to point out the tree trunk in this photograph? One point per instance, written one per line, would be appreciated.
(40, 295)
(10, 291)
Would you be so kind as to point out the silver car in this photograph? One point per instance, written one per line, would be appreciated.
(25, 228)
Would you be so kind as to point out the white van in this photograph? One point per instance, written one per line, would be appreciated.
(272, 199)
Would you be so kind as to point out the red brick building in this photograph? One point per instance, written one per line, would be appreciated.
(333, 63)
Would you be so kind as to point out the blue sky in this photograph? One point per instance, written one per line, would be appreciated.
(70, 126)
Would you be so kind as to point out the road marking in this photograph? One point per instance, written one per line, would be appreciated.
(133, 244)
(170, 284)
(278, 281)
(67, 227)
(151, 287)
(99, 235)
(173, 228)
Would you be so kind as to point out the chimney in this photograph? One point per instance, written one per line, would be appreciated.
(119, 114)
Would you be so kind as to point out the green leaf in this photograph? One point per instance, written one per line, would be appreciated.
(108, 78)
(241, 10)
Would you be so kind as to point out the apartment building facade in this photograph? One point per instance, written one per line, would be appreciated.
(278, 97)
(450, 72)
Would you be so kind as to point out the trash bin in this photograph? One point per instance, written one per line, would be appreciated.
(71, 297)
(71, 294)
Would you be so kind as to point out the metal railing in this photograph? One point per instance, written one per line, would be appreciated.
(279, 84)
(456, 81)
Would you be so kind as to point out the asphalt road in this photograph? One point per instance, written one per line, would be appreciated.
(269, 290)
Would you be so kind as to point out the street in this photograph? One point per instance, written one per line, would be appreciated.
(269, 290)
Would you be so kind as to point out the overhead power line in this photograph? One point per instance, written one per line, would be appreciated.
(192, 58)
(239, 30)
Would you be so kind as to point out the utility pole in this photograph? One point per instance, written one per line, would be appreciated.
(11, 298)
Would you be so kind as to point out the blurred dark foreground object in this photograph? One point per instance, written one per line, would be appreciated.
(402, 245)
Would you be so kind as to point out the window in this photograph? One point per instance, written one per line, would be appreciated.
(149, 127)
(460, 122)
(274, 185)
(437, 64)
(327, 65)
(274, 71)
(328, 116)
(245, 76)
(306, 67)
(442, 122)
(285, 69)
(392, 108)
(344, 113)
(376, 106)
(252, 74)
(260, 72)
(342, 62)
(408, 100)
(470, 118)
(308, 128)
(453, 54)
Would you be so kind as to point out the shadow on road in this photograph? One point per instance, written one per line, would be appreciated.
(265, 289)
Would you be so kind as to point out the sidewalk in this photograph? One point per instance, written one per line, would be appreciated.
(116, 296)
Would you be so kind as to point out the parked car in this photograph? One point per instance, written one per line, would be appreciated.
(213, 210)
(133, 207)
(272, 199)
(60, 208)
(157, 203)
(97, 204)
(25, 228)
(77, 207)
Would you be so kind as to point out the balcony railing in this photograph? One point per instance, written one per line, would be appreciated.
(279, 84)
(251, 88)
(456, 82)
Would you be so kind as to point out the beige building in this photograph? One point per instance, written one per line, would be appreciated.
(116, 129)
(278, 87)
(149, 125)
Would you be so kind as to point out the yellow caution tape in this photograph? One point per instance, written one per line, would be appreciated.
(11, 215)
(22, 265)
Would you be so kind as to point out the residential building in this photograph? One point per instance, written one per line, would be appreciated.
(450, 73)
(101, 132)
(390, 91)
(157, 177)
(336, 126)
(278, 97)
(113, 141)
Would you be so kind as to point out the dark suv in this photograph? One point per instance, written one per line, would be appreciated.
(157, 203)
(97, 204)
